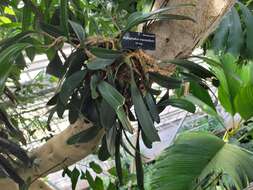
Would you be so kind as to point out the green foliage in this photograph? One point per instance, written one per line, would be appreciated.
(234, 33)
(201, 161)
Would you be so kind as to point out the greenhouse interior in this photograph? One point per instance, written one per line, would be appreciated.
(126, 95)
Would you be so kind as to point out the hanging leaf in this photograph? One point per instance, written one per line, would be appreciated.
(164, 81)
(195, 155)
(105, 53)
(84, 136)
(103, 153)
(93, 86)
(205, 107)
(193, 68)
(78, 29)
(179, 103)
(7, 56)
(244, 102)
(138, 163)
(74, 108)
(99, 63)
(142, 114)
(55, 67)
(220, 36)
(198, 91)
(70, 84)
(64, 17)
(107, 120)
(248, 19)
(116, 101)
(73, 175)
(111, 139)
(117, 157)
(152, 107)
(235, 36)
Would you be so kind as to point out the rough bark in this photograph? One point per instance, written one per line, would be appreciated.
(177, 39)
(174, 39)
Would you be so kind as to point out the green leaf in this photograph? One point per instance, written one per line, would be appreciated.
(78, 29)
(84, 136)
(244, 102)
(51, 29)
(139, 17)
(105, 53)
(99, 63)
(55, 67)
(64, 17)
(138, 163)
(74, 178)
(111, 139)
(103, 153)
(196, 155)
(235, 36)
(26, 18)
(201, 93)
(179, 103)
(220, 36)
(70, 84)
(93, 86)
(7, 56)
(107, 120)
(142, 114)
(116, 101)
(152, 107)
(73, 175)
(164, 81)
(96, 168)
(118, 165)
(205, 107)
(193, 68)
(98, 184)
(248, 19)
(89, 178)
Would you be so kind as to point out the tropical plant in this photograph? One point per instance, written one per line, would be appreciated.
(101, 77)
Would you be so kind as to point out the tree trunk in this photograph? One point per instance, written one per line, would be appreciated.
(174, 39)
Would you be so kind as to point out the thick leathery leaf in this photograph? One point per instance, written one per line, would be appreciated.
(248, 20)
(116, 101)
(103, 153)
(105, 53)
(138, 163)
(70, 84)
(142, 114)
(84, 136)
(64, 17)
(107, 120)
(78, 29)
(152, 107)
(194, 68)
(235, 36)
(93, 86)
(179, 103)
(55, 67)
(164, 81)
(117, 157)
(99, 63)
